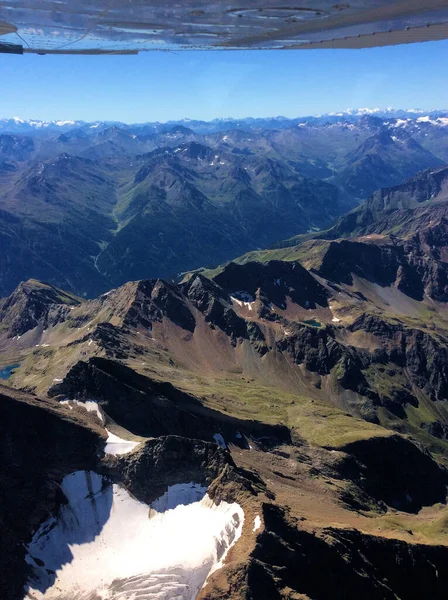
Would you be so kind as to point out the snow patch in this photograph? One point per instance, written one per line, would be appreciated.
(179, 494)
(116, 445)
(102, 544)
(257, 523)
(89, 405)
(440, 121)
(243, 298)
(400, 123)
(287, 331)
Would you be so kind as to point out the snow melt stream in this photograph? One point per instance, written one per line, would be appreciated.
(104, 544)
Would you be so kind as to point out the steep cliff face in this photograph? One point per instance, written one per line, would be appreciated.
(388, 262)
(398, 473)
(150, 408)
(290, 562)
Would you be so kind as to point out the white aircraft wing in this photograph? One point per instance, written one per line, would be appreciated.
(130, 26)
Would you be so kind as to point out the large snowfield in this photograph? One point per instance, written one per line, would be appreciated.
(106, 545)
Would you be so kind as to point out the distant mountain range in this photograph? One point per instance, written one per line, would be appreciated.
(90, 206)
(30, 126)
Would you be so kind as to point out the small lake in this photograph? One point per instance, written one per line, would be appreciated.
(313, 323)
(6, 372)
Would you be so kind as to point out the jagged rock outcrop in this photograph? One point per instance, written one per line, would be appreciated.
(423, 354)
(216, 305)
(274, 281)
(157, 464)
(34, 303)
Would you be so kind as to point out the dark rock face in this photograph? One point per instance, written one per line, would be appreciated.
(216, 306)
(396, 471)
(166, 461)
(155, 299)
(393, 263)
(378, 264)
(41, 443)
(130, 399)
(423, 355)
(274, 281)
(355, 565)
(313, 347)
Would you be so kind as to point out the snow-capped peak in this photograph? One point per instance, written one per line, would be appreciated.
(24, 125)
(359, 112)
(62, 123)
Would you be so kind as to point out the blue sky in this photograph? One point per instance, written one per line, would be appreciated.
(160, 86)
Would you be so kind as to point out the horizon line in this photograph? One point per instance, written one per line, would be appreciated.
(361, 111)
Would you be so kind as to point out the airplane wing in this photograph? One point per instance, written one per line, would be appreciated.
(131, 26)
